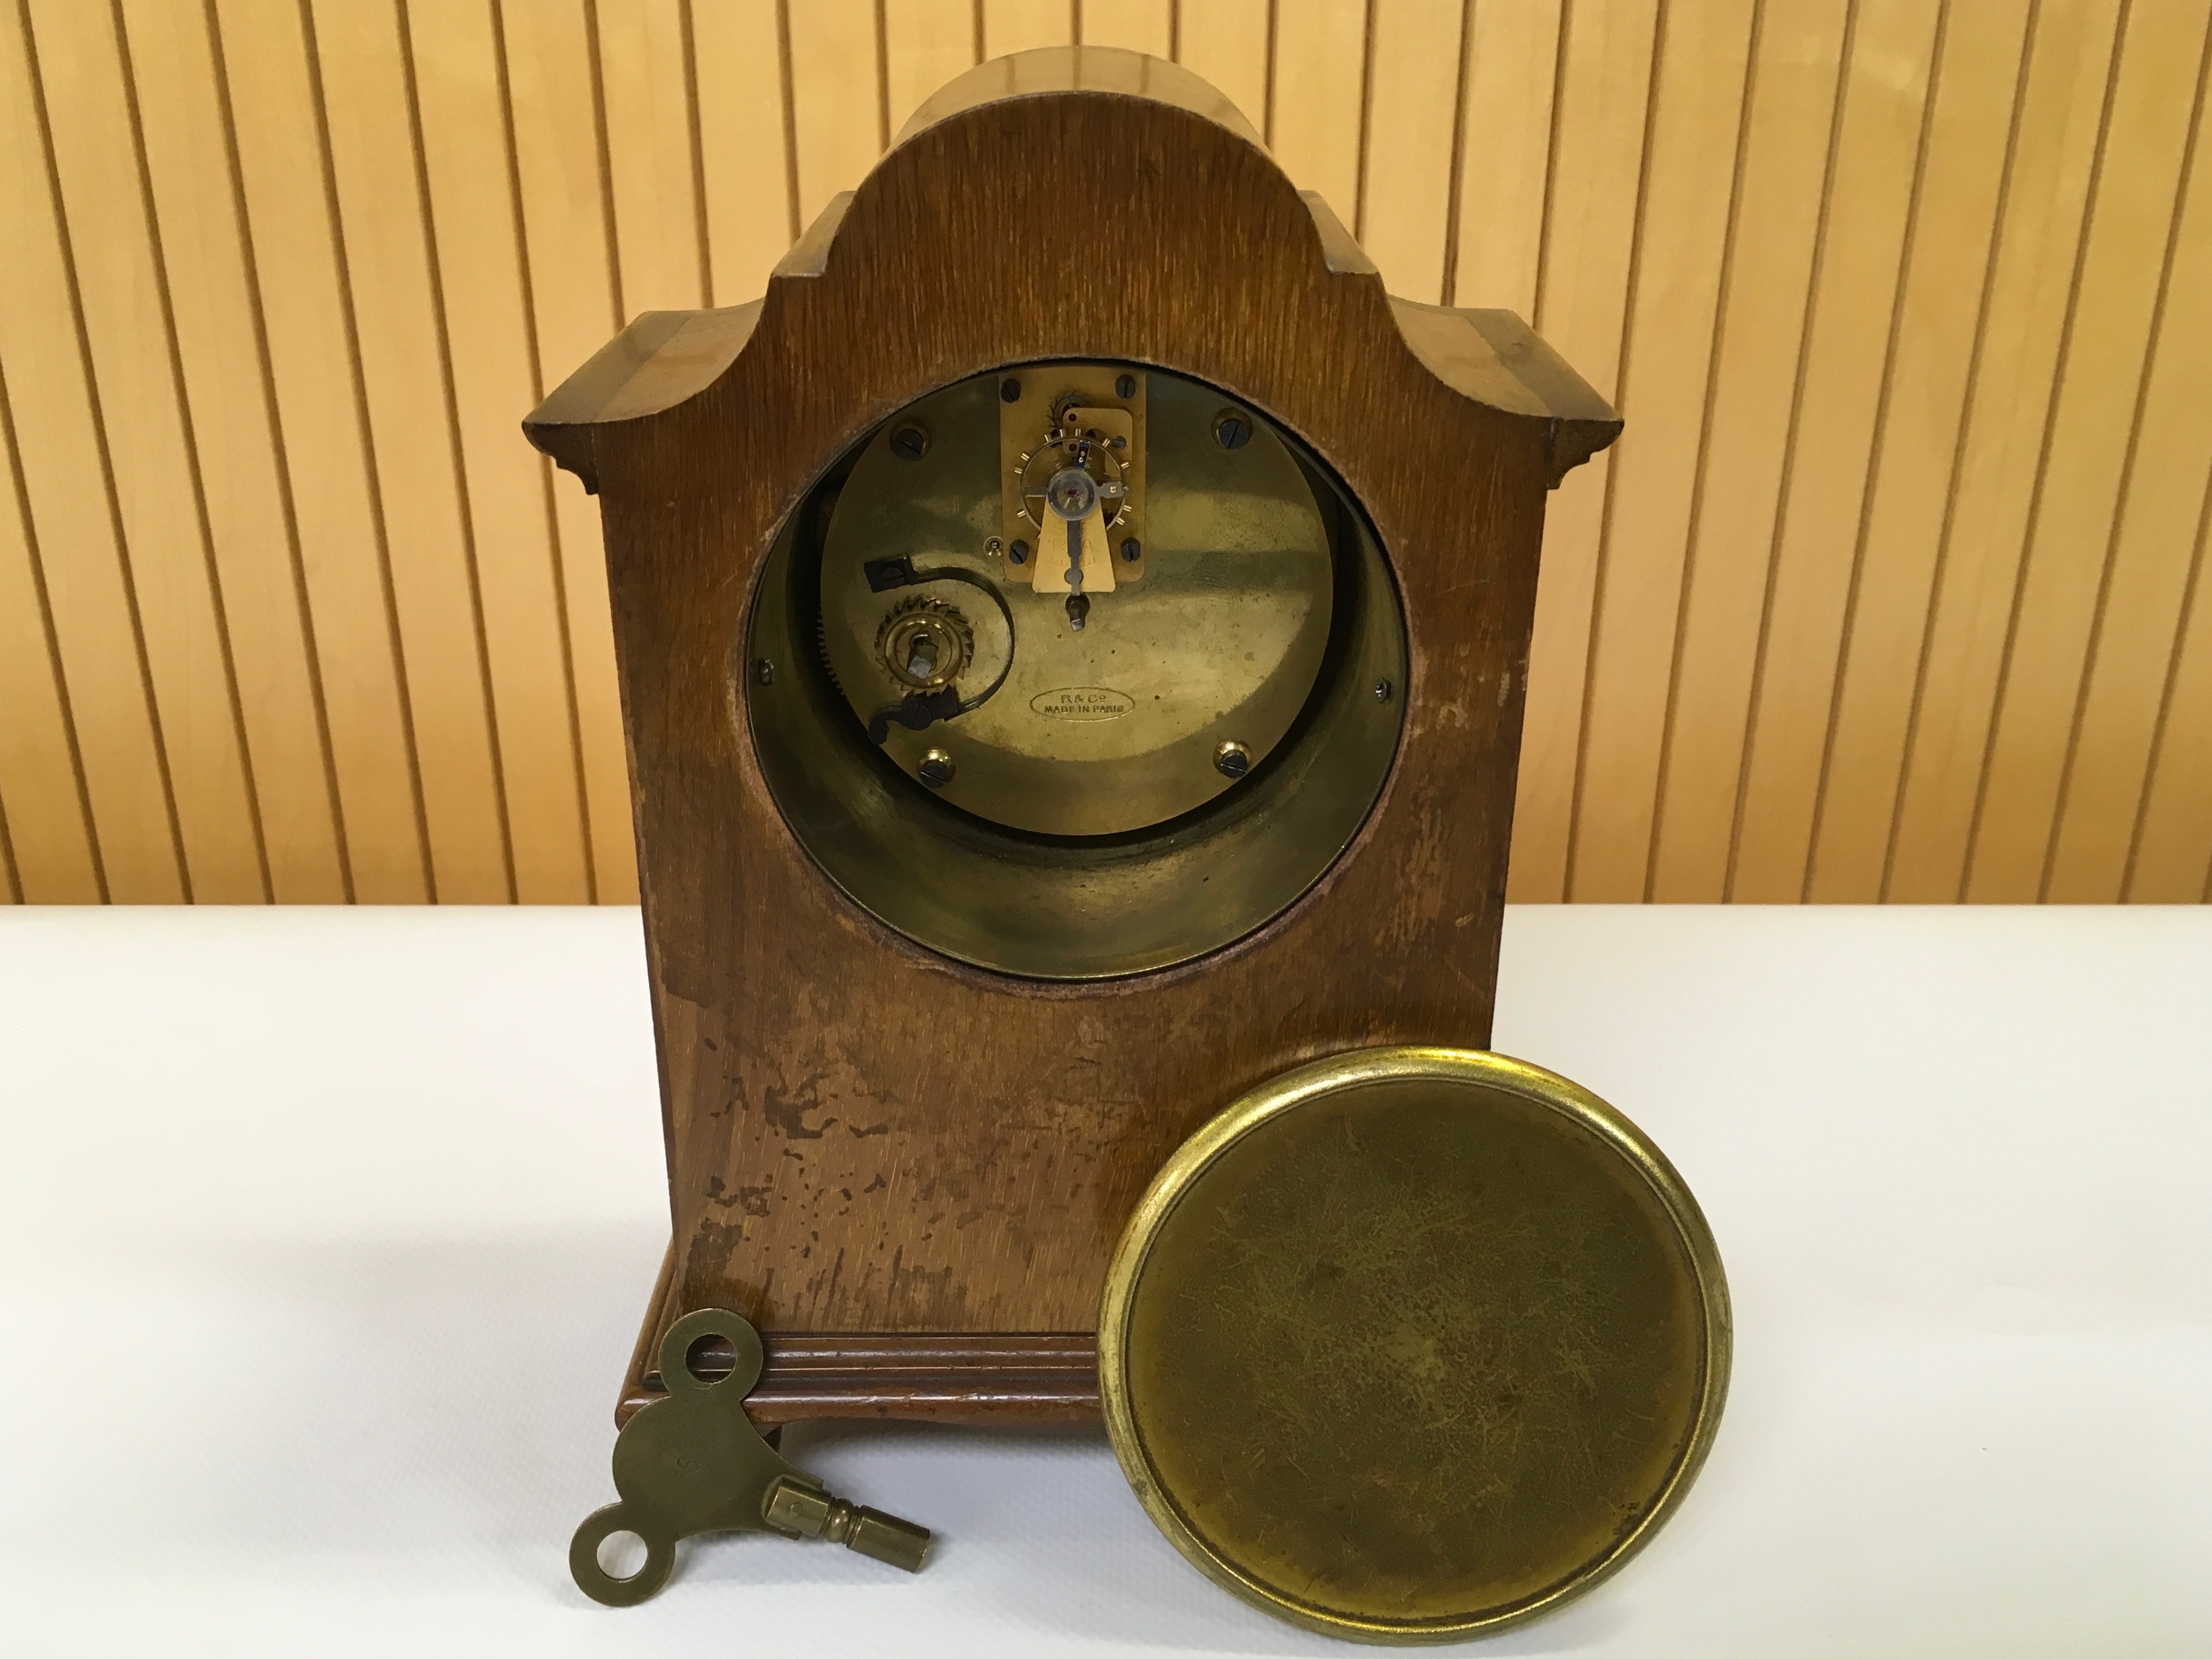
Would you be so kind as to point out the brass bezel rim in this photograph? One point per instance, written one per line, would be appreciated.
(1284, 1093)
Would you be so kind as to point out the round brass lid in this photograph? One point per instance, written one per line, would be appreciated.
(1412, 1344)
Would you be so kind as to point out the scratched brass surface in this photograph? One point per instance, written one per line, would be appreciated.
(1413, 1343)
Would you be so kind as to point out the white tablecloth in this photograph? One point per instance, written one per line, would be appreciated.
(324, 1236)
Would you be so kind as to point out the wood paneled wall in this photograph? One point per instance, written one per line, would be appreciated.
(1890, 592)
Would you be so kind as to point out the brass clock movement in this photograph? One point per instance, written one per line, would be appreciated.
(1073, 633)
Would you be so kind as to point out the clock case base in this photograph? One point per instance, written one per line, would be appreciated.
(906, 1376)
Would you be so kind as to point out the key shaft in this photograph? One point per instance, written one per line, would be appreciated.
(797, 1509)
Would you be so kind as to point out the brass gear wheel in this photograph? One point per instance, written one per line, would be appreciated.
(924, 643)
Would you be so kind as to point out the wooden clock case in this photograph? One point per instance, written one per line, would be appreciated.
(908, 1172)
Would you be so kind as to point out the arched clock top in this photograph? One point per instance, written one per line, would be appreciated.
(953, 255)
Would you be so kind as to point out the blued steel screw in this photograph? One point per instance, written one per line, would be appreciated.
(1232, 430)
(1126, 386)
(1010, 391)
(1232, 760)
(908, 442)
(1131, 549)
(1018, 553)
(936, 768)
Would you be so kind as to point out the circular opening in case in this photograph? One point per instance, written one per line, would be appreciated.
(1075, 670)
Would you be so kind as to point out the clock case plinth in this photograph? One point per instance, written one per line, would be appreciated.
(908, 1173)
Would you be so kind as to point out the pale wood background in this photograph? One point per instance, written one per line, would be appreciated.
(1890, 592)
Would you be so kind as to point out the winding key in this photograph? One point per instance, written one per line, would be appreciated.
(693, 1462)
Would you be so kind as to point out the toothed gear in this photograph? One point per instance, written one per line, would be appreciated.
(925, 644)
(822, 650)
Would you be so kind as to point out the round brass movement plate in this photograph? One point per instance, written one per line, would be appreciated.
(1412, 1344)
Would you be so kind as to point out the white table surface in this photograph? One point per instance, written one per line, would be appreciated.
(324, 1235)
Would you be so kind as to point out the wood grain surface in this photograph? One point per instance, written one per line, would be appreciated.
(1891, 593)
(1020, 1377)
(862, 1135)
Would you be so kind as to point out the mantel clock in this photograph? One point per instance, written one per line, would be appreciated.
(1072, 632)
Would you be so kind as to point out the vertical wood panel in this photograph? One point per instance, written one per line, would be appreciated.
(1948, 256)
(52, 856)
(2092, 432)
(2136, 629)
(2170, 861)
(1843, 379)
(483, 300)
(11, 879)
(82, 564)
(1145, 26)
(1780, 186)
(1225, 43)
(1681, 237)
(2168, 855)
(429, 538)
(838, 110)
(1023, 25)
(163, 535)
(1512, 49)
(649, 159)
(2060, 131)
(926, 44)
(300, 297)
(568, 251)
(1595, 170)
(1320, 57)
(1416, 56)
(1893, 589)
(236, 451)
(744, 168)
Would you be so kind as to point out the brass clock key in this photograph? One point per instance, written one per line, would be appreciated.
(693, 1462)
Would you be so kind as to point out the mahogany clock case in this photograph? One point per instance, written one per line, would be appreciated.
(908, 1170)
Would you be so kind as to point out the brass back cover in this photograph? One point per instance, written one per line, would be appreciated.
(1413, 1343)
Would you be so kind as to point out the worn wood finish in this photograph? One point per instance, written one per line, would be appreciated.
(860, 1137)
(1025, 1379)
